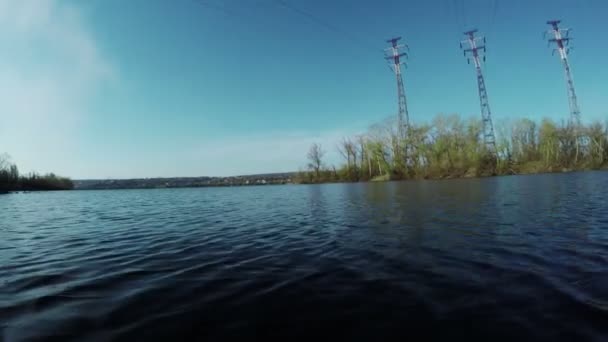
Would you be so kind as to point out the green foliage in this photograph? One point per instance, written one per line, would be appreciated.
(451, 147)
(9, 174)
(50, 181)
(10, 180)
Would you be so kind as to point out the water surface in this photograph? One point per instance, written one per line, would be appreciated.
(504, 258)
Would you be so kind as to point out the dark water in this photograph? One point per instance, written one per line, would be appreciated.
(494, 259)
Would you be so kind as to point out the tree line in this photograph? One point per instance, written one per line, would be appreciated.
(450, 147)
(11, 180)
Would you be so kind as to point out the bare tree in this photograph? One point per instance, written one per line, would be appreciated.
(451, 147)
(9, 174)
(315, 159)
(348, 149)
(5, 161)
(366, 155)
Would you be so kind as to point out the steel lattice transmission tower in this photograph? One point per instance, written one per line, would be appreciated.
(472, 50)
(394, 56)
(561, 37)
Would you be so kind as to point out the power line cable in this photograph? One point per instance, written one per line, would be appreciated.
(495, 6)
(215, 7)
(462, 15)
(282, 3)
(455, 13)
(451, 12)
(329, 26)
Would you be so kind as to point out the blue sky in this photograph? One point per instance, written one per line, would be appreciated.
(146, 88)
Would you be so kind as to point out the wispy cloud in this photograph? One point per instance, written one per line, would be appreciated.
(229, 156)
(50, 64)
(280, 152)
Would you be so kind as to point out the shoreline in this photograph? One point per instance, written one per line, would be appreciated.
(446, 178)
(341, 182)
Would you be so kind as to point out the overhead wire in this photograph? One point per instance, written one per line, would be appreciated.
(214, 6)
(310, 16)
(328, 26)
(460, 8)
(333, 28)
(454, 13)
(495, 6)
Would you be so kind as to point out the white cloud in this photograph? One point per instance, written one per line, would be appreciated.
(239, 155)
(50, 67)
(265, 153)
(50, 64)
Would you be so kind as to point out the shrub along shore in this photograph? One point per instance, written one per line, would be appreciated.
(450, 147)
(11, 180)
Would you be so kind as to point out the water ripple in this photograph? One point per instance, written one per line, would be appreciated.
(493, 259)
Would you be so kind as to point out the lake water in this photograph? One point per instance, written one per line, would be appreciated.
(522, 257)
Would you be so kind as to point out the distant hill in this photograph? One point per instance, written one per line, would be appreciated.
(184, 182)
